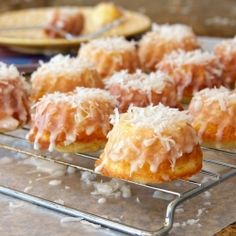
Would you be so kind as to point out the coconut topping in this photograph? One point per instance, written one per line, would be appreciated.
(139, 80)
(79, 95)
(8, 72)
(222, 95)
(111, 44)
(62, 65)
(84, 93)
(228, 46)
(175, 31)
(196, 57)
(157, 117)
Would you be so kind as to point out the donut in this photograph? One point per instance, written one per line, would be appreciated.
(192, 71)
(140, 89)
(61, 21)
(151, 145)
(14, 103)
(110, 54)
(72, 122)
(162, 40)
(226, 51)
(63, 74)
(214, 112)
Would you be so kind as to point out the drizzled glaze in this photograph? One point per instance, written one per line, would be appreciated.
(192, 71)
(13, 98)
(149, 135)
(214, 112)
(64, 119)
(142, 89)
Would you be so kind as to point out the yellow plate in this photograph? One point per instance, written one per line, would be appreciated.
(135, 23)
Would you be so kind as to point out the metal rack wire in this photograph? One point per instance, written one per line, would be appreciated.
(179, 197)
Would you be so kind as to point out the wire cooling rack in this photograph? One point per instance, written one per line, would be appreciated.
(225, 170)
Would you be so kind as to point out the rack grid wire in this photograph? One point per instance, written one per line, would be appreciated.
(179, 197)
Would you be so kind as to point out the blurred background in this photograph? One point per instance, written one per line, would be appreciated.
(207, 17)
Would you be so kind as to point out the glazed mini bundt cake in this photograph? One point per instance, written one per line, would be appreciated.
(110, 54)
(72, 122)
(226, 51)
(63, 74)
(14, 103)
(192, 71)
(162, 40)
(151, 145)
(140, 89)
(214, 112)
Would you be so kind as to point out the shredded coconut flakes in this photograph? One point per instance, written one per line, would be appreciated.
(181, 57)
(222, 95)
(111, 44)
(139, 80)
(170, 32)
(157, 117)
(8, 72)
(60, 64)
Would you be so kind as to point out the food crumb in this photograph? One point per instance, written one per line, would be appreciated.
(102, 200)
(54, 182)
(207, 194)
(137, 200)
(27, 189)
(179, 210)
